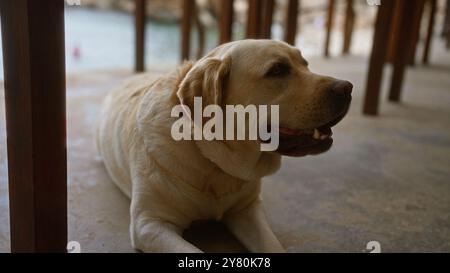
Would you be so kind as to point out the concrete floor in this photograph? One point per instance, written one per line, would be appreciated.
(387, 179)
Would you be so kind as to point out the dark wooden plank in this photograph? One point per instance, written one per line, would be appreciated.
(254, 19)
(430, 30)
(402, 56)
(349, 24)
(291, 21)
(268, 7)
(226, 21)
(378, 56)
(139, 27)
(329, 26)
(186, 25)
(34, 76)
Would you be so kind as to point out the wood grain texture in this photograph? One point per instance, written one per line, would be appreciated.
(34, 73)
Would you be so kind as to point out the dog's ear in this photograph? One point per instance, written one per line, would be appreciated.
(206, 79)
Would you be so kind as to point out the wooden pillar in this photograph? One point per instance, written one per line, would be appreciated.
(430, 32)
(378, 56)
(34, 70)
(200, 34)
(329, 26)
(254, 19)
(290, 30)
(416, 20)
(395, 29)
(348, 27)
(226, 21)
(268, 7)
(139, 27)
(402, 56)
(186, 24)
(447, 23)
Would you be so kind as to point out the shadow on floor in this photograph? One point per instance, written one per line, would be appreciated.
(212, 237)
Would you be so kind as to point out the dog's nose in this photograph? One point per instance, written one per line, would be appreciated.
(343, 88)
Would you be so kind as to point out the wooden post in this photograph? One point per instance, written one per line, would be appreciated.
(139, 27)
(186, 24)
(268, 7)
(394, 33)
(329, 26)
(254, 19)
(290, 31)
(348, 27)
(378, 56)
(417, 10)
(401, 57)
(34, 70)
(200, 34)
(430, 32)
(226, 21)
(447, 24)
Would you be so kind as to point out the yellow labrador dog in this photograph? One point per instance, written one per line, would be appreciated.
(172, 183)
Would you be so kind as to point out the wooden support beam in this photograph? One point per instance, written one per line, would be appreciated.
(447, 24)
(139, 28)
(416, 22)
(402, 56)
(268, 7)
(394, 33)
(329, 26)
(349, 24)
(226, 21)
(290, 30)
(186, 25)
(34, 75)
(201, 35)
(254, 19)
(378, 56)
(431, 21)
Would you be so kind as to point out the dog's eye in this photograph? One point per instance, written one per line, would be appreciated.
(279, 70)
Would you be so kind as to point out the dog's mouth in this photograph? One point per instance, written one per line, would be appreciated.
(298, 143)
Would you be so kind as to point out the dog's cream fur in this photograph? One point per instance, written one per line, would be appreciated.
(173, 183)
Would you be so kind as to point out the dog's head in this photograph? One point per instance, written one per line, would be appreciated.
(264, 72)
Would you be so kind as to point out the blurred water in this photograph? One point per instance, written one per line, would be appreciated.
(105, 40)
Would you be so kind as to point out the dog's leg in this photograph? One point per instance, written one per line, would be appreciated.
(156, 236)
(150, 230)
(251, 228)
